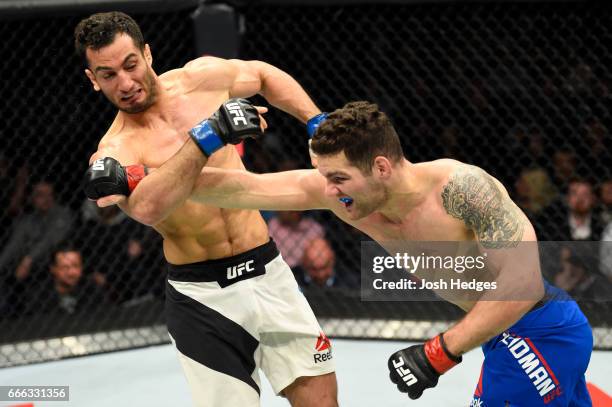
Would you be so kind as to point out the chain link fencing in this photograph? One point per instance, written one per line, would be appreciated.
(521, 90)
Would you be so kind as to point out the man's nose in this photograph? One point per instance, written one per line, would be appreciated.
(125, 81)
(331, 190)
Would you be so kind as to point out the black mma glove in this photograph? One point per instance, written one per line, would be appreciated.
(107, 177)
(418, 367)
(235, 120)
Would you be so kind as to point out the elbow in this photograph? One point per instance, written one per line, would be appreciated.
(147, 213)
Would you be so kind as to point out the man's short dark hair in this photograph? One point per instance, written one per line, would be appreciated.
(362, 131)
(99, 30)
(581, 180)
(62, 247)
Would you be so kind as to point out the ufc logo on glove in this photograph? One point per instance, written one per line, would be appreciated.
(404, 372)
(235, 110)
(98, 165)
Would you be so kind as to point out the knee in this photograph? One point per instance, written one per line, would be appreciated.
(314, 391)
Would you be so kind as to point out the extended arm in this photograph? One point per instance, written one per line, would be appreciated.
(507, 236)
(289, 190)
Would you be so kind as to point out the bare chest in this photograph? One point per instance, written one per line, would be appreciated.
(166, 136)
(427, 223)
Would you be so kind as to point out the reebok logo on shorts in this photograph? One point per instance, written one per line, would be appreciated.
(323, 343)
(476, 402)
(534, 365)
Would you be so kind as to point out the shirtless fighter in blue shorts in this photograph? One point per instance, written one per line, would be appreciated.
(537, 342)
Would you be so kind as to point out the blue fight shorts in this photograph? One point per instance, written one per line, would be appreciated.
(540, 360)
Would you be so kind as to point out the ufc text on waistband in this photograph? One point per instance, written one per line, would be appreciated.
(229, 270)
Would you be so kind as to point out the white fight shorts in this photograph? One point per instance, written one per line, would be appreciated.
(230, 317)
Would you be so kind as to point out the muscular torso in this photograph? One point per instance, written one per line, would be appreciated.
(192, 232)
(425, 229)
(427, 220)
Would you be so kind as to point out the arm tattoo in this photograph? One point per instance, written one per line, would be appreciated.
(472, 196)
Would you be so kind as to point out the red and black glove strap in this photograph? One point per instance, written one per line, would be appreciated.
(135, 173)
(439, 356)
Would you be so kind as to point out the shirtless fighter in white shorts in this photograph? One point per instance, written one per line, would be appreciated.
(232, 304)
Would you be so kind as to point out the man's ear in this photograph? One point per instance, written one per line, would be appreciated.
(382, 167)
(147, 54)
(92, 79)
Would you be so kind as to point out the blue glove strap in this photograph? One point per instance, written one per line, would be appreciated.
(314, 122)
(206, 138)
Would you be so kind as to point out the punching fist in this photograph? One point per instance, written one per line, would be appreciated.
(418, 367)
(106, 177)
(235, 120)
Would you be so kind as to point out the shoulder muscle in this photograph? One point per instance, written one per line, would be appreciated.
(116, 145)
(481, 202)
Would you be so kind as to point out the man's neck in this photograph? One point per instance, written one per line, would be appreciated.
(580, 218)
(63, 289)
(43, 212)
(405, 192)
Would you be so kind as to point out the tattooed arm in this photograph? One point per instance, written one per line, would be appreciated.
(506, 235)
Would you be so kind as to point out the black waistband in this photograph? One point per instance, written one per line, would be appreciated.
(538, 305)
(541, 302)
(228, 270)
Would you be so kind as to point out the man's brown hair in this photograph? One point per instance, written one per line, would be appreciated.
(99, 30)
(362, 131)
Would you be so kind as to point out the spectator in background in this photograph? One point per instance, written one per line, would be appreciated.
(103, 234)
(574, 219)
(292, 232)
(318, 265)
(605, 249)
(70, 292)
(605, 252)
(535, 147)
(564, 168)
(122, 255)
(584, 222)
(519, 141)
(605, 198)
(598, 139)
(35, 234)
(534, 191)
(528, 150)
(142, 276)
(64, 288)
(12, 194)
(578, 276)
